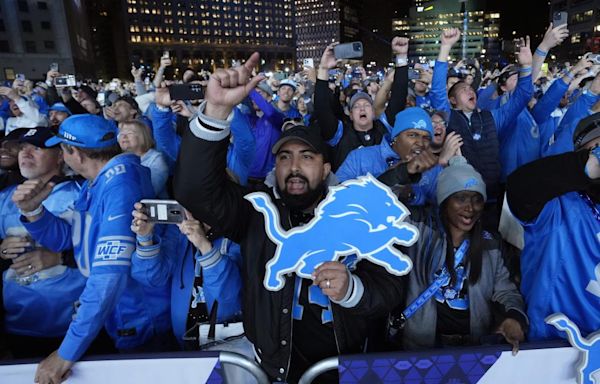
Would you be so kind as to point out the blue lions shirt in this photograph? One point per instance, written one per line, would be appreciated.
(558, 264)
(102, 240)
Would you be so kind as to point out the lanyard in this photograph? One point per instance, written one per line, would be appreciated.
(436, 285)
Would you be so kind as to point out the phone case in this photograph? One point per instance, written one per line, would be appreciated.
(163, 211)
(352, 50)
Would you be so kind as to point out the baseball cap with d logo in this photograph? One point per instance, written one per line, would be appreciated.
(86, 131)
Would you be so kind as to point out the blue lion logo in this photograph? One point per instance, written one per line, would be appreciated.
(589, 362)
(361, 217)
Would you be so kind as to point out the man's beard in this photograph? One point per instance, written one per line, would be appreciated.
(304, 200)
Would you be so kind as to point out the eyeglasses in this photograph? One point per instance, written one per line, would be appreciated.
(361, 106)
(438, 122)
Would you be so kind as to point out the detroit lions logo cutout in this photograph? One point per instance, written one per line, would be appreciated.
(360, 216)
(589, 362)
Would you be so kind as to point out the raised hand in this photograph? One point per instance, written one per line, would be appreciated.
(400, 46)
(328, 60)
(450, 36)
(554, 37)
(333, 278)
(451, 148)
(524, 56)
(228, 87)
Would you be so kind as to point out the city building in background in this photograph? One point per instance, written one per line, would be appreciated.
(34, 34)
(322, 22)
(584, 27)
(427, 19)
(197, 34)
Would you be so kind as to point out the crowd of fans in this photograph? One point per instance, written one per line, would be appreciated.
(499, 167)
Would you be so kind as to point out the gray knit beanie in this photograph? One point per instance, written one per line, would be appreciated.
(458, 176)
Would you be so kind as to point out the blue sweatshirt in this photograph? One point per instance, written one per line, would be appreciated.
(172, 261)
(103, 242)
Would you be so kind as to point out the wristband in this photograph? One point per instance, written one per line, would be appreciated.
(525, 69)
(144, 238)
(33, 213)
(569, 75)
(401, 61)
(540, 52)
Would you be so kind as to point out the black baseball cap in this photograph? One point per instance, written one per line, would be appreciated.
(304, 134)
(587, 130)
(37, 136)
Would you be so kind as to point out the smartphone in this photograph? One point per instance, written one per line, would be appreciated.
(54, 67)
(166, 54)
(594, 58)
(20, 77)
(559, 18)
(308, 63)
(189, 91)
(163, 211)
(100, 98)
(353, 50)
(413, 74)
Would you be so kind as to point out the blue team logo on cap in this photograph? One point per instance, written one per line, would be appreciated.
(360, 217)
(589, 361)
(421, 124)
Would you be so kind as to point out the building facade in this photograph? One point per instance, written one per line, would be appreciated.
(427, 19)
(197, 34)
(322, 22)
(584, 28)
(34, 34)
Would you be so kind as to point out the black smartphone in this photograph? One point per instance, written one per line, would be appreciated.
(353, 50)
(559, 18)
(413, 74)
(191, 91)
(163, 211)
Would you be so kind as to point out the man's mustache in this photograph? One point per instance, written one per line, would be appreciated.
(298, 175)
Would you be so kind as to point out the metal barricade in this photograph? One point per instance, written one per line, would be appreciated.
(317, 369)
(245, 363)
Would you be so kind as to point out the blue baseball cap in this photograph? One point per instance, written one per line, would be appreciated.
(60, 107)
(412, 118)
(86, 131)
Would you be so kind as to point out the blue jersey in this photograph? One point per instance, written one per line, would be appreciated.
(173, 261)
(102, 240)
(558, 264)
(41, 305)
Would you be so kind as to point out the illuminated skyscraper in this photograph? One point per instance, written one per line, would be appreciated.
(584, 28)
(427, 19)
(198, 33)
(321, 22)
(34, 34)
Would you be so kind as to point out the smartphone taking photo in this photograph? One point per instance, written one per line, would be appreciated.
(190, 91)
(353, 50)
(163, 211)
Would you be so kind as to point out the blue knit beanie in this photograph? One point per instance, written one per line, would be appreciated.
(412, 118)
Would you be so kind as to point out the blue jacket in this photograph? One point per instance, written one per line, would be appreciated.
(102, 240)
(580, 109)
(521, 143)
(557, 265)
(379, 158)
(240, 152)
(43, 306)
(171, 260)
(266, 130)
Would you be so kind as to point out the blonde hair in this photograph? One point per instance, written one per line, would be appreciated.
(143, 129)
